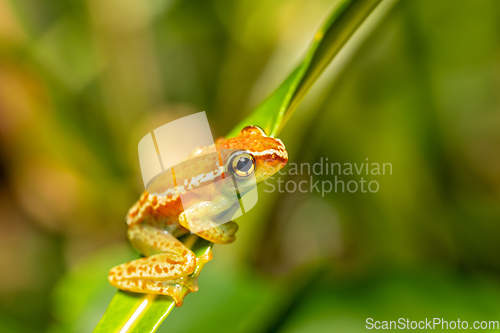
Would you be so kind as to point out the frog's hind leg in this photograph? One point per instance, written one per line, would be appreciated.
(149, 275)
(164, 272)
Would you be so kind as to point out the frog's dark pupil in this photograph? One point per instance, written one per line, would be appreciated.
(244, 164)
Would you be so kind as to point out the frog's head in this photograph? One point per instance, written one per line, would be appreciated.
(254, 155)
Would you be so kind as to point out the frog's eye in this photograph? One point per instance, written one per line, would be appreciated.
(242, 165)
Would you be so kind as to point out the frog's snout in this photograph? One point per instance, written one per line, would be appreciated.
(282, 153)
(275, 157)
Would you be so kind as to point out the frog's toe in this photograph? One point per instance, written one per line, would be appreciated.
(229, 229)
(221, 234)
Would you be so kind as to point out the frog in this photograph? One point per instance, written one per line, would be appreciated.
(173, 207)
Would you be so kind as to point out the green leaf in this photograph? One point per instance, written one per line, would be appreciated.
(133, 312)
(129, 312)
(272, 113)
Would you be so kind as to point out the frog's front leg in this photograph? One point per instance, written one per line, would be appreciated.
(164, 272)
(199, 220)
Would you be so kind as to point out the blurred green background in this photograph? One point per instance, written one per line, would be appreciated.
(418, 87)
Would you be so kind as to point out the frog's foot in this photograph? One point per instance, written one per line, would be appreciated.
(221, 234)
(209, 230)
(162, 274)
(172, 288)
(141, 280)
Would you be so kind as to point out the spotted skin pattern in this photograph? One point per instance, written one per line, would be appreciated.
(156, 220)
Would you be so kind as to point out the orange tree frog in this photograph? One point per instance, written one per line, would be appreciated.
(157, 220)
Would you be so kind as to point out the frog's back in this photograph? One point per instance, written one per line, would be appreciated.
(160, 205)
(161, 212)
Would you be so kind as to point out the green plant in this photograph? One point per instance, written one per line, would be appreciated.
(144, 313)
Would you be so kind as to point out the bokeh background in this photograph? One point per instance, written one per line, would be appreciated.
(418, 87)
